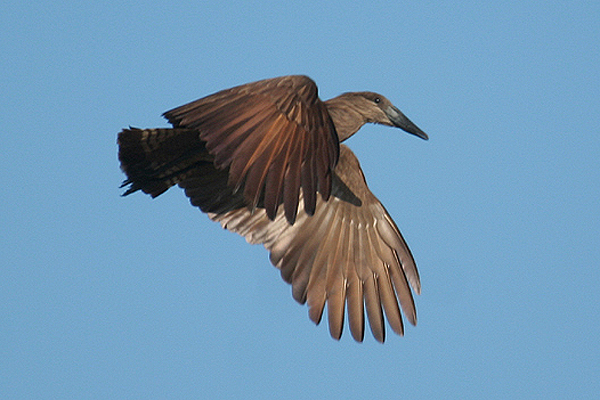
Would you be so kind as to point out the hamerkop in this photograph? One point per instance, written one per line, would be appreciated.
(251, 155)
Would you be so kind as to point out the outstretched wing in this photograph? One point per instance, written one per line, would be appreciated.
(348, 254)
(275, 136)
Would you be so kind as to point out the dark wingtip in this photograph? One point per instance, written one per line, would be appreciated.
(290, 213)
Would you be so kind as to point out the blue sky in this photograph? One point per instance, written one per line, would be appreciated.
(109, 297)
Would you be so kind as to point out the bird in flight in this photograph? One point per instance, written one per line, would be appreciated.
(264, 160)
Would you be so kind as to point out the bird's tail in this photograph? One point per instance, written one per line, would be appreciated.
(156, 159)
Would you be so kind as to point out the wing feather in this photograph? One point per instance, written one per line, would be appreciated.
(355, 304)
(373, 307)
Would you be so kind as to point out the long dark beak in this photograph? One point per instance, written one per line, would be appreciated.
(401, 121)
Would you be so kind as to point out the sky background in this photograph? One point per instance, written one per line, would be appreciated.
(104, 297)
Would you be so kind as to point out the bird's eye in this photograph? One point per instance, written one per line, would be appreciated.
(377, 100)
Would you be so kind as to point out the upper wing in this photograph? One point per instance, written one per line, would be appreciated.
(274, 135)
(350, 252)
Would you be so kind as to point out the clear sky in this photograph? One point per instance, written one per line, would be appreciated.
(104, 297)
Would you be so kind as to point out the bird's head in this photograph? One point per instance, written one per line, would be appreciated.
(352, 110)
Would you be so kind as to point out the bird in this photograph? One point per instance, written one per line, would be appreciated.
(265, 160)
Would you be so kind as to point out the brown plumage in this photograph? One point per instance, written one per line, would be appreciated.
(250, 155)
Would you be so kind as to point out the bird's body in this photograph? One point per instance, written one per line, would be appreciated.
(254, 158)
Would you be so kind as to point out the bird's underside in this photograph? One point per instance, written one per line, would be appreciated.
(254, 158)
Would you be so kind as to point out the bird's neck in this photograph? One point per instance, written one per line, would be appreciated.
(346, 118)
